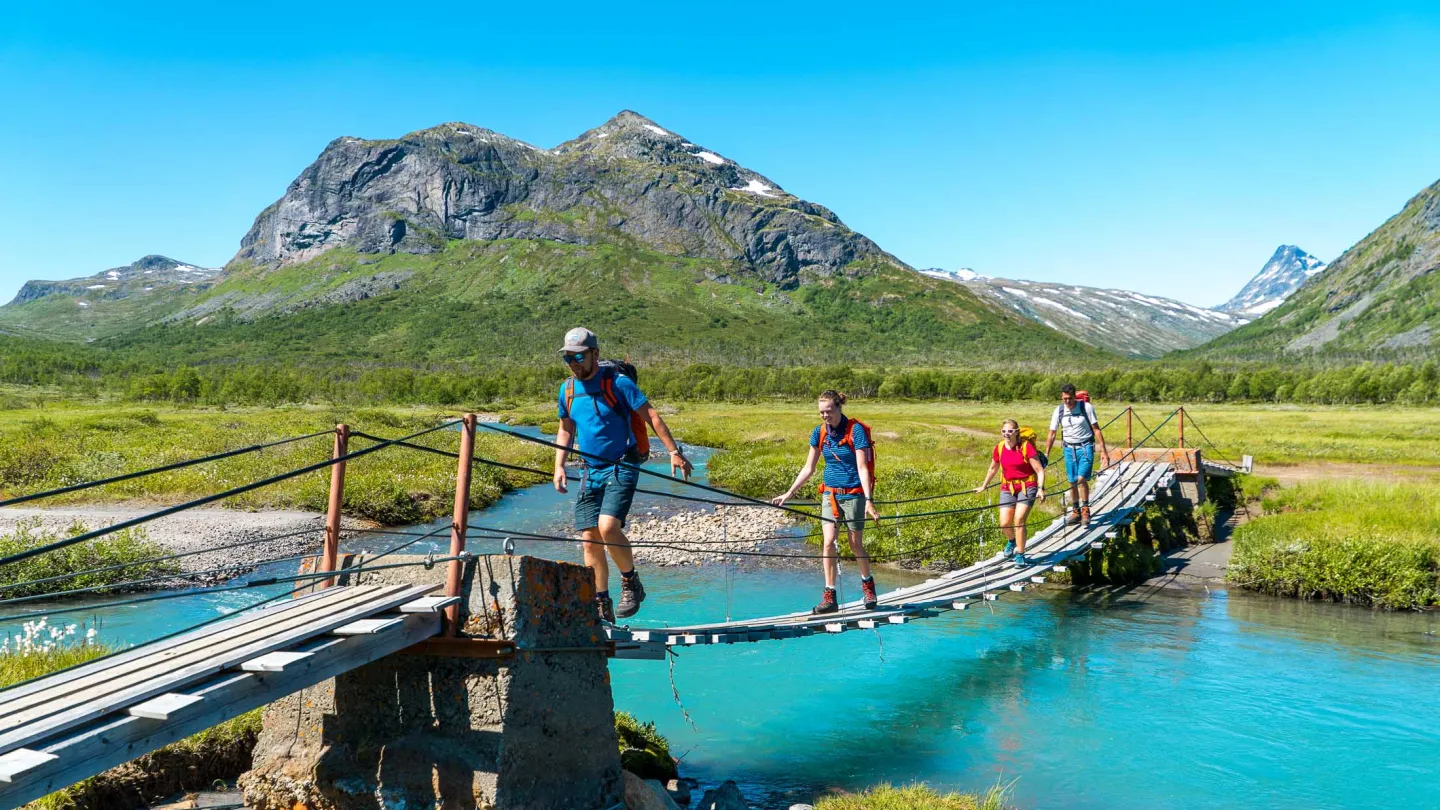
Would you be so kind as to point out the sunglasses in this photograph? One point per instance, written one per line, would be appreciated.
(578, 357)
(1008, 432)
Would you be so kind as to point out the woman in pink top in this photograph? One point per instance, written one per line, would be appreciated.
(1022, 483)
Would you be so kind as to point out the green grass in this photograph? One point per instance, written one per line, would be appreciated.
(915, 797)
(643, 751)
(125, 546)
(1368, 542)
(63, 446)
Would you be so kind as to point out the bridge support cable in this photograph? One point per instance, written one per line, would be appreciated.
(208, 499)
(239, 451)
(641, 469)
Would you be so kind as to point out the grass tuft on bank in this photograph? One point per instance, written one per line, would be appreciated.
(121, 548)
(1368, 542)
(915, 797)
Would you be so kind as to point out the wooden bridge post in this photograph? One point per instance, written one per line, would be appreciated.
(330, 556)
(1129, 432)
(461, 520)
(1182, 427)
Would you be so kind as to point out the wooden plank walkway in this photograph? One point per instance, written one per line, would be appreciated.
(1116, 495)
(57, 730)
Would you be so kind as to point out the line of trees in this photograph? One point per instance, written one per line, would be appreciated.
(1198, 382)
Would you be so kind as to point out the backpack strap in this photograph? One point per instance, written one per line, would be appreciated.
(569, 397)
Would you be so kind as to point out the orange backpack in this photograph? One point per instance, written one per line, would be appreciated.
(617, 403)
(849, 438)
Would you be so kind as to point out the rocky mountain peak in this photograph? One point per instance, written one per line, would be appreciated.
(629, 177)
(1287, 269)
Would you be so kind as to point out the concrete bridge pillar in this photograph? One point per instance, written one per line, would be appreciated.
(425, 731)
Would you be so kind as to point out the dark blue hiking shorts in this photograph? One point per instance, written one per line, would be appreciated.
(605, 493)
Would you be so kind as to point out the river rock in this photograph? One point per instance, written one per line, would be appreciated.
(692, 538)
(641, 794)
(679, 790)
(725, 797)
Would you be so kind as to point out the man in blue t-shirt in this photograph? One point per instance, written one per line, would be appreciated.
(595, 410)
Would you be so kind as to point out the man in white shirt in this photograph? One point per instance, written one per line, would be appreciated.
(1075, 421)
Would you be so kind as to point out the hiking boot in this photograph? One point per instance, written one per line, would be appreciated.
(1072, 517)
(871, 600)
(1085, 515)
(632, 593)
(827, 603)
(1009, 549)
(606, 606)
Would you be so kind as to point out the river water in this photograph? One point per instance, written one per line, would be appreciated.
(1141, 699)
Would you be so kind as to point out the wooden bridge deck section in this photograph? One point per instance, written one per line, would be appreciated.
(57, 730)
(1115, 497)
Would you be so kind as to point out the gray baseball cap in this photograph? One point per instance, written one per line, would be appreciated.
(579, 339)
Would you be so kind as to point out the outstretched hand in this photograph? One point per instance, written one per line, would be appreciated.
(780, 501)
(682, 464)
(560, 481)
(870, 512)
(979, 489)
(1041, 495)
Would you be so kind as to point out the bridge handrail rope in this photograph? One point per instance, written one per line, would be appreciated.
(239, 451)
(639, 468)
(238, 567)
(254, 583)
(158, 559)
(208, 499)
(1211, 444)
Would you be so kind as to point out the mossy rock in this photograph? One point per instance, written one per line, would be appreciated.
(643, 750)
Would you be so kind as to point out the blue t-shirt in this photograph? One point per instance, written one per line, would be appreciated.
(841, 470)
(599, 430)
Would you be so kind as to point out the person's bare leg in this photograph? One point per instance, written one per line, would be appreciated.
(617, 543)
(830, 552)
(595, 558)
(1022, 511)
(857, 547)
(1084, 486)
(1007, 522)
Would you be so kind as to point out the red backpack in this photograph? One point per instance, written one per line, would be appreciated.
(617, 403)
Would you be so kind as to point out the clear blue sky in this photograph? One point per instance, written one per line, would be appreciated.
(1143, 146)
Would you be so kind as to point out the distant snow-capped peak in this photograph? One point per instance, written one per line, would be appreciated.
(1288, 268)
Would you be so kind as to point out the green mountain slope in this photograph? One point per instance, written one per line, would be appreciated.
(1380, 299)
(107, 303)
(509, 300)
(456, 243)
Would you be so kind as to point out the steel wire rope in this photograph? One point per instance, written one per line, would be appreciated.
(1212, 445)
(235, 566)
(256, 583)
(159, 559)
(240, 490)
(638, 468)
(163, 468)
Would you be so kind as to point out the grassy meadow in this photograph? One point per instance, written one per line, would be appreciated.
(63, 445)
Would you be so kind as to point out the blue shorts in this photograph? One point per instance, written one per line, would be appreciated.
(1079, 461)
(606, 493)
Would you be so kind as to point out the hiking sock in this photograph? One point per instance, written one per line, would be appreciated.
(628, 575)
(870, 578)
(602, 594)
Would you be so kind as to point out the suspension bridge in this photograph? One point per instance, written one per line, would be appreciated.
(69, 725)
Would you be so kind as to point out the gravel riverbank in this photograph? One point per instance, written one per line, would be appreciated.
(701, 536)
(197, 529)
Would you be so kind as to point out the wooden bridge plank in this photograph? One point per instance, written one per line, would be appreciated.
(83, 752)
(83, 679)
(43, 721)
(161, 707)
(226, 625)
(21, 710)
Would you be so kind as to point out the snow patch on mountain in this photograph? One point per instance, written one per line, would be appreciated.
(1288, 268)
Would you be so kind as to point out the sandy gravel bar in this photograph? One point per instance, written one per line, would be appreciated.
(697, 537)
(196, 529)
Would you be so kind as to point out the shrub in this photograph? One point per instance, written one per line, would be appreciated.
(122, 547)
